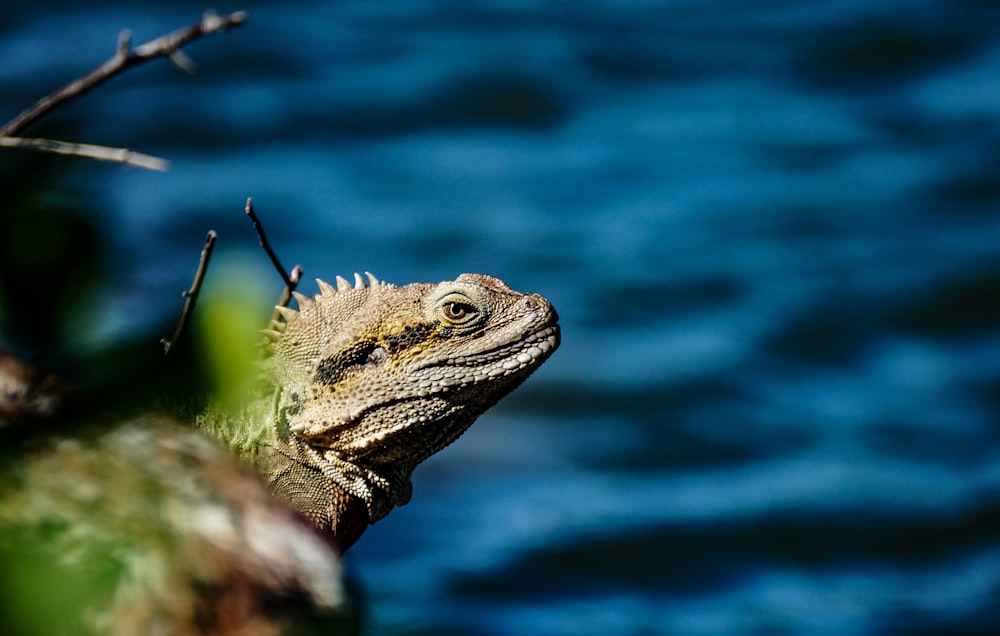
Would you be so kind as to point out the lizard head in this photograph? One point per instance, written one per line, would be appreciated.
(376, 378)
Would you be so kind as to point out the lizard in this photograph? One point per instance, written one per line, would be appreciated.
(163, 528)
(367, 380)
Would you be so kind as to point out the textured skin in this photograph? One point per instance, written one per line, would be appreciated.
(371, 379)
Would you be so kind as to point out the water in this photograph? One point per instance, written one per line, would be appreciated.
(770, 232)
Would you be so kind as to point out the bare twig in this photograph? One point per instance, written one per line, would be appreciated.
(124, 58)
(291, 280)
(267, 246)
(191, 295)
(102, 153)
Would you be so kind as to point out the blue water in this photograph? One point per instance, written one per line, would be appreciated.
(770, 230)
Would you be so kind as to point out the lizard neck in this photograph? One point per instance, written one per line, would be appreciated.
(342, 500)
(349, 520)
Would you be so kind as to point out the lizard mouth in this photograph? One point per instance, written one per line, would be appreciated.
(528, 352)
(531, 347)
(516, 359)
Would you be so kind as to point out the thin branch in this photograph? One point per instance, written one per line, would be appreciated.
(292, 280)
(124, 58)
(191, 295)
(184, 62)
(102, 153)
(266, 245)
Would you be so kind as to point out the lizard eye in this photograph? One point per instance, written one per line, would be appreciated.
(456, 312)
(454, 309)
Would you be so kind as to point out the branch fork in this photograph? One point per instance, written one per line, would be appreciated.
(125, 57)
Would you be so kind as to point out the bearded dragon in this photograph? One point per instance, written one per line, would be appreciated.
(368, 380)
